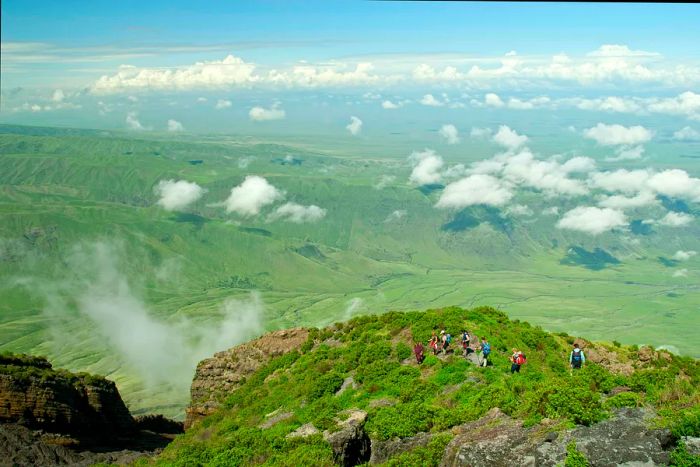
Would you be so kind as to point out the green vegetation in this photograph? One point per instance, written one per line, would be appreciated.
(62, 189)
(403, 398)
(25, 368)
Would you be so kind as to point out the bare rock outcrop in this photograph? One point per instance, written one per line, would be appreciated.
(217, 376)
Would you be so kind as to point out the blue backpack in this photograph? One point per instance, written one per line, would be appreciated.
(448, 338)
(576, 356)
(486, 349)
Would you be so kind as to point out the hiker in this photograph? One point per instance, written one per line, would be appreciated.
(485, 351)
(517, 360)
(418, 350)
(446, 340)
(576, 358)
(434, 343)
(465, 343)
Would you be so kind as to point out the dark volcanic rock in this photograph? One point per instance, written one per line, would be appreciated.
(351, 445)
(382, 451)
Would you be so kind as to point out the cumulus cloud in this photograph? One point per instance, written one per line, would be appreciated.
(621, 202)
(248, 198)
(175, 126)
(509, 138)
(450, 133)
(58, 96)
(676, 219)
(431, 101)
(627, 153)
(231, 71)
(687, 134)
(549, 176)
(474, 189)
(493, 100)
(177, 195)
(681, 255)
(613, 135)
(426, 167)
(222, 104)
(297, 213)
(681, 273)
(396, 215)
(391, 105)
(260, 114)
(551, 211)
(622, 180)
(519, 210)
(675, 183)
(355, 126)
(133, 123)
(592, 220)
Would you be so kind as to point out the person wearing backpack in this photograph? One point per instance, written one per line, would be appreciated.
(485, 351)
(443, 341)
(576, 358)
(448, 341)
(465, 343)
(434, 343)
(517, 360)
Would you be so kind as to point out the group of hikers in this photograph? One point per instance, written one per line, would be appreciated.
(482, 349)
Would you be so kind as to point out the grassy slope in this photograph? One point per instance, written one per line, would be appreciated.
(82, 186)
(432, 397)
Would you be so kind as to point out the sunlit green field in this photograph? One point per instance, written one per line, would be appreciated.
(62, 189)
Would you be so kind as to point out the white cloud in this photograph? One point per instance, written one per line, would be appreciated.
(450, 133)
(612, 135)
(390, 105)
(509, 138)
(355, 126)
(592, 220)
(231, 71)
(625, 153)
(427, 166)
(620, 50)
(493, 100)
(174, 126)
(681, 255)
(681, 273)
(578, 164)
(474, 189)
(687, 134)
(298, 213)
(549, 176)
(202, 99)
(431, 101)
(676, 183)
(622, 180)
(551, 211)
(519, 210)
(177, 195)
(686, 103)
(621, 202)
(676, 219)
(222, 104)
(248, 198)
(58, 96)
(133, 123)
(260, 114)
(396, 215)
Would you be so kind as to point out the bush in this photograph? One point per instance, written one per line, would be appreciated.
(623, 399)
(402, 351)
(574, 457)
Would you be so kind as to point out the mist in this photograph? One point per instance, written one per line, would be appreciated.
(98, 291)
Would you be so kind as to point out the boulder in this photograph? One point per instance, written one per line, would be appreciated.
(382, 451)
(350, 443)
(303, 431)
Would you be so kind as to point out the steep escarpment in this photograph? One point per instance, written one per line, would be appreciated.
(353, 393)
(52, 417)
(218, 376)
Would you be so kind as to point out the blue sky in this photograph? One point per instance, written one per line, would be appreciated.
(79, 63)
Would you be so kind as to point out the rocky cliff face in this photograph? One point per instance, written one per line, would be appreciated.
(36, 396)
(217, 376)
(54, 417)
